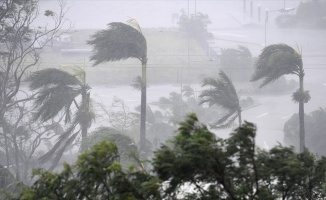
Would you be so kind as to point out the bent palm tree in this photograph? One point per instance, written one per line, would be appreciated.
(222, 93)
(277, 60)
(57, 92)
(119, 42)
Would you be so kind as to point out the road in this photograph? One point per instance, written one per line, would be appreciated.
(269, 116)
(229, 28)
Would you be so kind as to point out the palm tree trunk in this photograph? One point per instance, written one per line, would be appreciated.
(85, 106)
(301, 116)
(142, 138)
(239, 117)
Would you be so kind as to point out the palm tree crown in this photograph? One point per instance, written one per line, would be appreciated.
(277, 60)
(119, 42)
(222, 93)
(57, 92)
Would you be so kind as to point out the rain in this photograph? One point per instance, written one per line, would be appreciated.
(183, 54)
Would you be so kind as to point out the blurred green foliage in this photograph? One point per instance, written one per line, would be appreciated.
(195, 164)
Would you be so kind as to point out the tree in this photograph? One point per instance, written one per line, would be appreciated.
(237, 63)
(194, 165)
(97, 174)
(119, 42)
(118, 116)
(20, 50)
(57, 91)
(8, 186)
(26, 139)
(315, 123)
(127, 148)
(195, 24)
(311, 14)
(197, 165)
(275, 61)
(222, 93)
(174, 106)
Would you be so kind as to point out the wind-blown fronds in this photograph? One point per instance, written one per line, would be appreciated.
(51, 100)
(63, 137)
(274, 61)
(57, 91)
(119, 42)
(225, 122)
(187, 91)
(51, 76)
(62, 149)
(133, 22)
(222, 93)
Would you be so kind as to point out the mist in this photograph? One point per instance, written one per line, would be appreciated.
(181, 58)
(233, 23)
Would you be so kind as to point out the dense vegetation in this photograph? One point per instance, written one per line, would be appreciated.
(315, 134)
(193, 165)
(47, 114)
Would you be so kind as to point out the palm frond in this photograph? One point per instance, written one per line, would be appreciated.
(51, 76)
(133, 22)
(78, 72)
(67, 113)
(187, 91)
(47, 156)
(62, 149)
(51, 100)
(222, 92)
(225, 121)
(119, 42)
(274, 61)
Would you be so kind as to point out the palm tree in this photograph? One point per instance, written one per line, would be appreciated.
(120, 42)
(222, 93)
(57, 93)
(277, 60)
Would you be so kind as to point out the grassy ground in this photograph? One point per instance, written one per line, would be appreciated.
(172, 55)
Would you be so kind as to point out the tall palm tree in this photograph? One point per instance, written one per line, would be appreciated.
(57, 93)
(275, 61)
(222, 93)
(119, 42)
